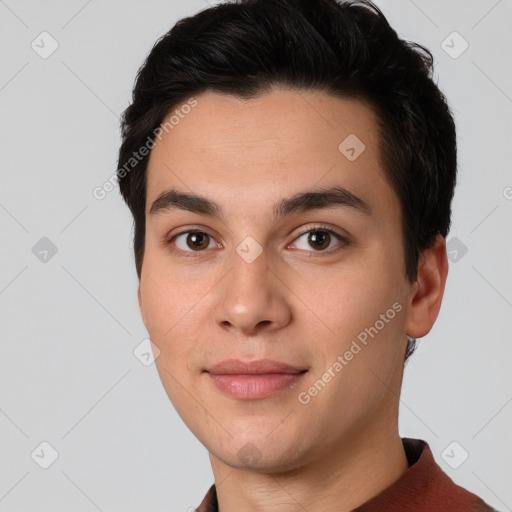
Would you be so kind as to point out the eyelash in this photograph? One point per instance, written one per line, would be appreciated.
(310, 228)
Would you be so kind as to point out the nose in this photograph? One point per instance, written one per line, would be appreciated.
(252, 299)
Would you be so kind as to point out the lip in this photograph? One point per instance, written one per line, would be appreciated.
(252, 380)
(259, 367)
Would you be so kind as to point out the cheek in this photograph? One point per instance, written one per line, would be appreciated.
(169, 300)
(171, 308)
(360, 359)
(178, 305)
(353, 298)
(366, 314)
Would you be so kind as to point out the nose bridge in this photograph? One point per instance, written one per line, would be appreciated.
(249, 280)
(250, 297)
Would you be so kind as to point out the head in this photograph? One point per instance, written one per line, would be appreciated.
(256, 124)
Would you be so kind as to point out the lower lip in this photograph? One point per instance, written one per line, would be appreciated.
(251, 387)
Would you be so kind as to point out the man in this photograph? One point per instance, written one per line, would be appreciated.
(290, 167)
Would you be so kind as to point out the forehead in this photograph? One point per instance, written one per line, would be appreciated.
(273, 145)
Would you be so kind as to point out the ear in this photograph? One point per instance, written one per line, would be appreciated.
(428, 290)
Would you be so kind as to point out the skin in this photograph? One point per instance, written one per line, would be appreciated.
(293, 303)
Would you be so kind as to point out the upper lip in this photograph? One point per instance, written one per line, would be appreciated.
(259, 367)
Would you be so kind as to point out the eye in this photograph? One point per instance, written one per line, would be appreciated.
(320, 238)
(193, 241)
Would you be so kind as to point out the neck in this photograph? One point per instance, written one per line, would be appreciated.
(344, 478)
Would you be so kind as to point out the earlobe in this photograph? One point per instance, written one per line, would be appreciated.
(427, 292)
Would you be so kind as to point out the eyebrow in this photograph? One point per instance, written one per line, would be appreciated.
(298, 203)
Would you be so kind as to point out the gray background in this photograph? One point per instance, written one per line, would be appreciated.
(70, 321)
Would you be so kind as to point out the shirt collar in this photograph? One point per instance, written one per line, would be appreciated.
(422, 488)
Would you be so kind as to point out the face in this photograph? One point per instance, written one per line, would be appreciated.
(280, 317)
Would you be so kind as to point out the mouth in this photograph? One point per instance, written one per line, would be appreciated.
(253, 380)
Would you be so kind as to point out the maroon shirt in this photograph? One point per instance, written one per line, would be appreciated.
(424, 487)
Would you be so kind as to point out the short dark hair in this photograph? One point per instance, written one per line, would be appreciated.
(343, 48)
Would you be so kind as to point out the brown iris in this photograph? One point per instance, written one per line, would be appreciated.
(320, 241)
(197, 240)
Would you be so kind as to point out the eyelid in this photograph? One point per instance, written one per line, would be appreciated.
(188, 229)
(319, 226)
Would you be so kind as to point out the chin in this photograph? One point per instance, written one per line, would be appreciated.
(260, 454)
(250, 458)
